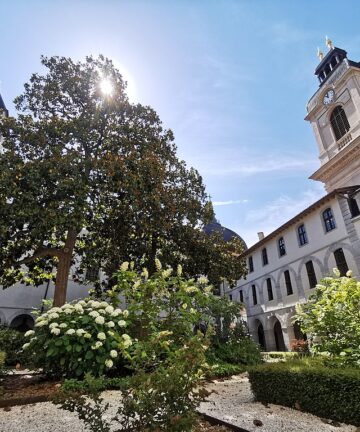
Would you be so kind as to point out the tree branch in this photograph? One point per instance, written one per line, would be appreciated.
(42, 252)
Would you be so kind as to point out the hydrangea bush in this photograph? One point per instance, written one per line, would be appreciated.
(87, 336)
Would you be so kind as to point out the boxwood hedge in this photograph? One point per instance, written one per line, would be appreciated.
(333, 393)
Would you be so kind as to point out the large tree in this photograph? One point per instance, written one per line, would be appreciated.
(89, 179)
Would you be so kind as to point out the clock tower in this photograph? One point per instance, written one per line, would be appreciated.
(334, 113)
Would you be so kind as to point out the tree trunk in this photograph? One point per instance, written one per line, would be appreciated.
(63, 268)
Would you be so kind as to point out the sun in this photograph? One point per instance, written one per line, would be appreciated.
(106, 87)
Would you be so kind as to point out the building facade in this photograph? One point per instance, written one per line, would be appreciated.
(284, 266)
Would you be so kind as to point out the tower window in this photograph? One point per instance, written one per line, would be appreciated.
(302, 235)
(288, 284)
(269, 289)
(339, 122)
(253, 288)
(311, 274)
(241, 296)
(329, 220)
(265, 260)
(281, 244)
(341, 263)
(353, 206)
(251, 264)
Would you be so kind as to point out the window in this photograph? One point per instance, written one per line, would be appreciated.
(311, 274)
(353, 206)
(289, 289)
(339, 122)
(230, 297)
(264, 257)
(302, 235)
(253, 288)
(281, 244)
(269, 289)
(329, 220)
(341, 263)
(251, 264)
(241, 296)
(92, 274)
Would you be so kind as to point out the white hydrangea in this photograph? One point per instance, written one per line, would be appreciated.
(70, 332)
(109, 309)
(63, 325)
(336, 271)
(110, 333)
(116, 313)
(104, 304)
(41, 323)
(122, 323)
(79, 308)
(99, 320)
(97, 345)
(53, 316)
(101, 336)
(109, 363)
(349, 273)
(102, 311)
(68, 311)
(145, 273)
(110, 324)
(127, 343)
(166, 273)
(26, 345)
(54, 324)
(56, 331)
(126, 336)
(55, 309)
(124, 266)
(87, 336)
(82, 302)
(80, 332)
(113, 354)
(191, 289)
(137, 284)
(192, 310)
(29, 333)
(179, 270)
(67, 306)
(96, 304)
(125, 313)
(94, 314)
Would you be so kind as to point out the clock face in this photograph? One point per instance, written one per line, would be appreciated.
(329, 97)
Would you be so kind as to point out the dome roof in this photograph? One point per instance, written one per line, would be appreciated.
(228, 234)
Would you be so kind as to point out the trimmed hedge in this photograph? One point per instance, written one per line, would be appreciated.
(325, 392)
(221, 370)
(2, 361)
(101, 384)
(282, 355)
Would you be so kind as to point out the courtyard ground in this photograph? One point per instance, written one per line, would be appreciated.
(231, 401)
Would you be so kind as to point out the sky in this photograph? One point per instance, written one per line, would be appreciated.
(231, 78)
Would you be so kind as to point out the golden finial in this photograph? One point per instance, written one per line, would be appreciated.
(329, 43)
(320, 54)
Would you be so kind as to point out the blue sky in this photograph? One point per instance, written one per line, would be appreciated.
(230, 78)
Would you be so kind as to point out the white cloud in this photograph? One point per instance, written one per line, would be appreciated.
(275, 213)
(249, 166)
(230, 202)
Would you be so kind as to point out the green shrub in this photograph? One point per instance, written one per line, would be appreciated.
(222, 370)
(282, 355)
(2, 361)
(11, 341)
(326, 392)
(103, 383)
(84, 337)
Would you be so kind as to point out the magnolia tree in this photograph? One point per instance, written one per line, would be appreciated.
(86, 174)
(331, 317)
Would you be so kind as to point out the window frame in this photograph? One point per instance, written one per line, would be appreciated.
(241, 296)
(342, 271)
(264, 257)
(251, 264)
(311, 274)
(254, 295)
(339, 122)
(281, 247)
(302, 235)
(288, 283)
(328, 219)
(269, 289)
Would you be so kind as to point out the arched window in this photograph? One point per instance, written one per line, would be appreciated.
(329, 220)
(339, 122)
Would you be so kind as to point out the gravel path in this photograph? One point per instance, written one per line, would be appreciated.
(231, 401)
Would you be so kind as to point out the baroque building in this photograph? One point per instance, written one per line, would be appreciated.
(285, 266)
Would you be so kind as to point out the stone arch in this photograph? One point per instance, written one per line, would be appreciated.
(257, 330)
(2, 318)
(277, 331)
(259, 292)
(296, 282)
(311, 258)
(22, 322)
(333, 248)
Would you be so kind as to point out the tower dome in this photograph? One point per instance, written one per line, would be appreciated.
(227, 234)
